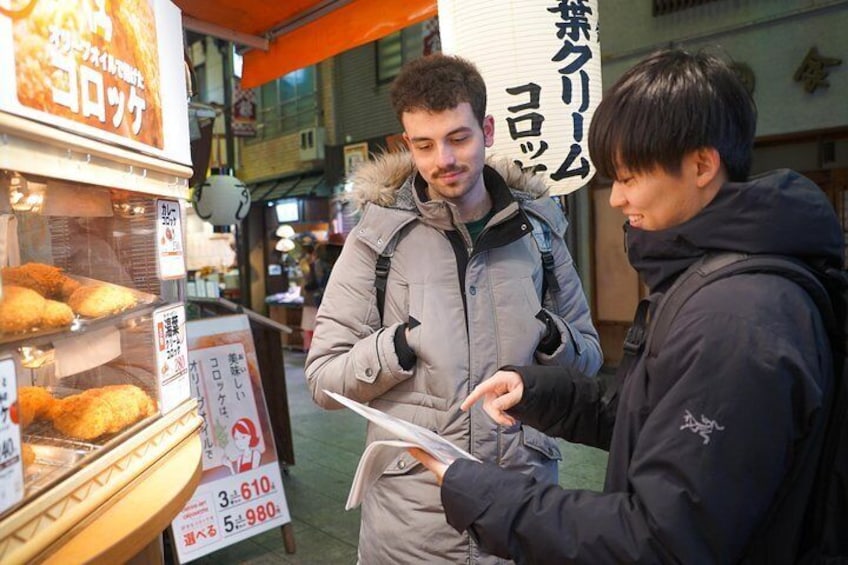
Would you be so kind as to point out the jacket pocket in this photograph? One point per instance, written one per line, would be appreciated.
(540, 443)
(416, 407)
(401, 465)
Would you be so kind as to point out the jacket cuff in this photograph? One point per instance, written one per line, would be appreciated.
(469, 490)
(463, 503)
(530, 375)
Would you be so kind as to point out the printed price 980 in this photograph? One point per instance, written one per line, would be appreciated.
(260, 513)
(251, 517)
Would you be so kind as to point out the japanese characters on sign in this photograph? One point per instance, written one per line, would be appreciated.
(221, 382)
(543, 87)
(171, 356)
(86, 61)
(11, 464)
(100, 68)
(241, 491)
(169, 237)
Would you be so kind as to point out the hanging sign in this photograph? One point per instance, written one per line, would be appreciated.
(241, 490)
(111, 70)
(541, 61)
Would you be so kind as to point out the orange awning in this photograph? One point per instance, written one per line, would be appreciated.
(300, 32)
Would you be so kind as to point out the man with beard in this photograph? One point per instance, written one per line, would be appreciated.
(464, 292)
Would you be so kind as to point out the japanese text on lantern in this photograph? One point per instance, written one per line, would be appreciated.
(574, 33)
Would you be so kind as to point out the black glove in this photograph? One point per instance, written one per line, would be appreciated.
(406, 355)
(552, 338)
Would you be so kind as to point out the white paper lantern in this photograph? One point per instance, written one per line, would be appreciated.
(284, 245)
(222, 200)
(285, 231)
(541, 61)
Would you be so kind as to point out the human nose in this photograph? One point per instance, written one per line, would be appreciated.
(616, 198)
(446, 157)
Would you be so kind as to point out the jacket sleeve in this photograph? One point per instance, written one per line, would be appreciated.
(564, 403)
(350, 354)
(703, 470)
(579, 346)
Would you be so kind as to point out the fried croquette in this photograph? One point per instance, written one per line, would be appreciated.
(20, 309)
(56, 314)
(35, 403)
(46, 280)
(27, 454)
(95, 301)
(68, 288)
(98, 411)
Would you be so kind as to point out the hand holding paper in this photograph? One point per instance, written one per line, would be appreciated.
(379, 453)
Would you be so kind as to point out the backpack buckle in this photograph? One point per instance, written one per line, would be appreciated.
(634, 339)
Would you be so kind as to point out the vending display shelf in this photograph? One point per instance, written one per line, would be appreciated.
(114, 507)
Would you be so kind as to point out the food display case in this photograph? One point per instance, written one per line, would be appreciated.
(99, 442)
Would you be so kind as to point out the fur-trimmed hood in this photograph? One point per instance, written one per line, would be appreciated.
(387, 181)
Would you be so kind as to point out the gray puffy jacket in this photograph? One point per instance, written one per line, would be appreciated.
(463, 338)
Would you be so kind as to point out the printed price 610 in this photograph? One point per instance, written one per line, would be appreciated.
(251, 517)
(248, 490)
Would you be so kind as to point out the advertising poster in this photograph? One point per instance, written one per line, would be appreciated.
(241, 491)
(109, 69)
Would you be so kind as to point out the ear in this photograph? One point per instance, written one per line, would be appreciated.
(710, 170)
(488, 130)
(406, 141)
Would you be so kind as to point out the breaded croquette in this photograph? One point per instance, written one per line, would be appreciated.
(46, 280)
(68, 288)
(35, 403)
(27, 454)
(20, 309)
(56, 314)
(95, 301)
(98, 411)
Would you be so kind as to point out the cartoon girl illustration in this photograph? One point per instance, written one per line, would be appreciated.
(246, 440)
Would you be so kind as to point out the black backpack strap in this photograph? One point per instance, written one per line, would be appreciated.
(381, 276)
(634, 342)
(381, 272)
(542, 236)
(715, 266)
(656, 313)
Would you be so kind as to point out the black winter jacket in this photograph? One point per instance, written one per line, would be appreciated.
(706, 431)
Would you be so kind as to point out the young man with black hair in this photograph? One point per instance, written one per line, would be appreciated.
(713, 445)
(465, 293)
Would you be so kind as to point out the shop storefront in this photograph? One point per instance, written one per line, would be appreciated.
(99, 444)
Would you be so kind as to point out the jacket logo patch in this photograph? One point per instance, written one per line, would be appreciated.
(703, 428)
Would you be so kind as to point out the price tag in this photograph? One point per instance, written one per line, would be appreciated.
(11, 463)
(169, 240)
(169, 324)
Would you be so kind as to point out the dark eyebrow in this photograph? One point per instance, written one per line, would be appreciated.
(463, 129)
